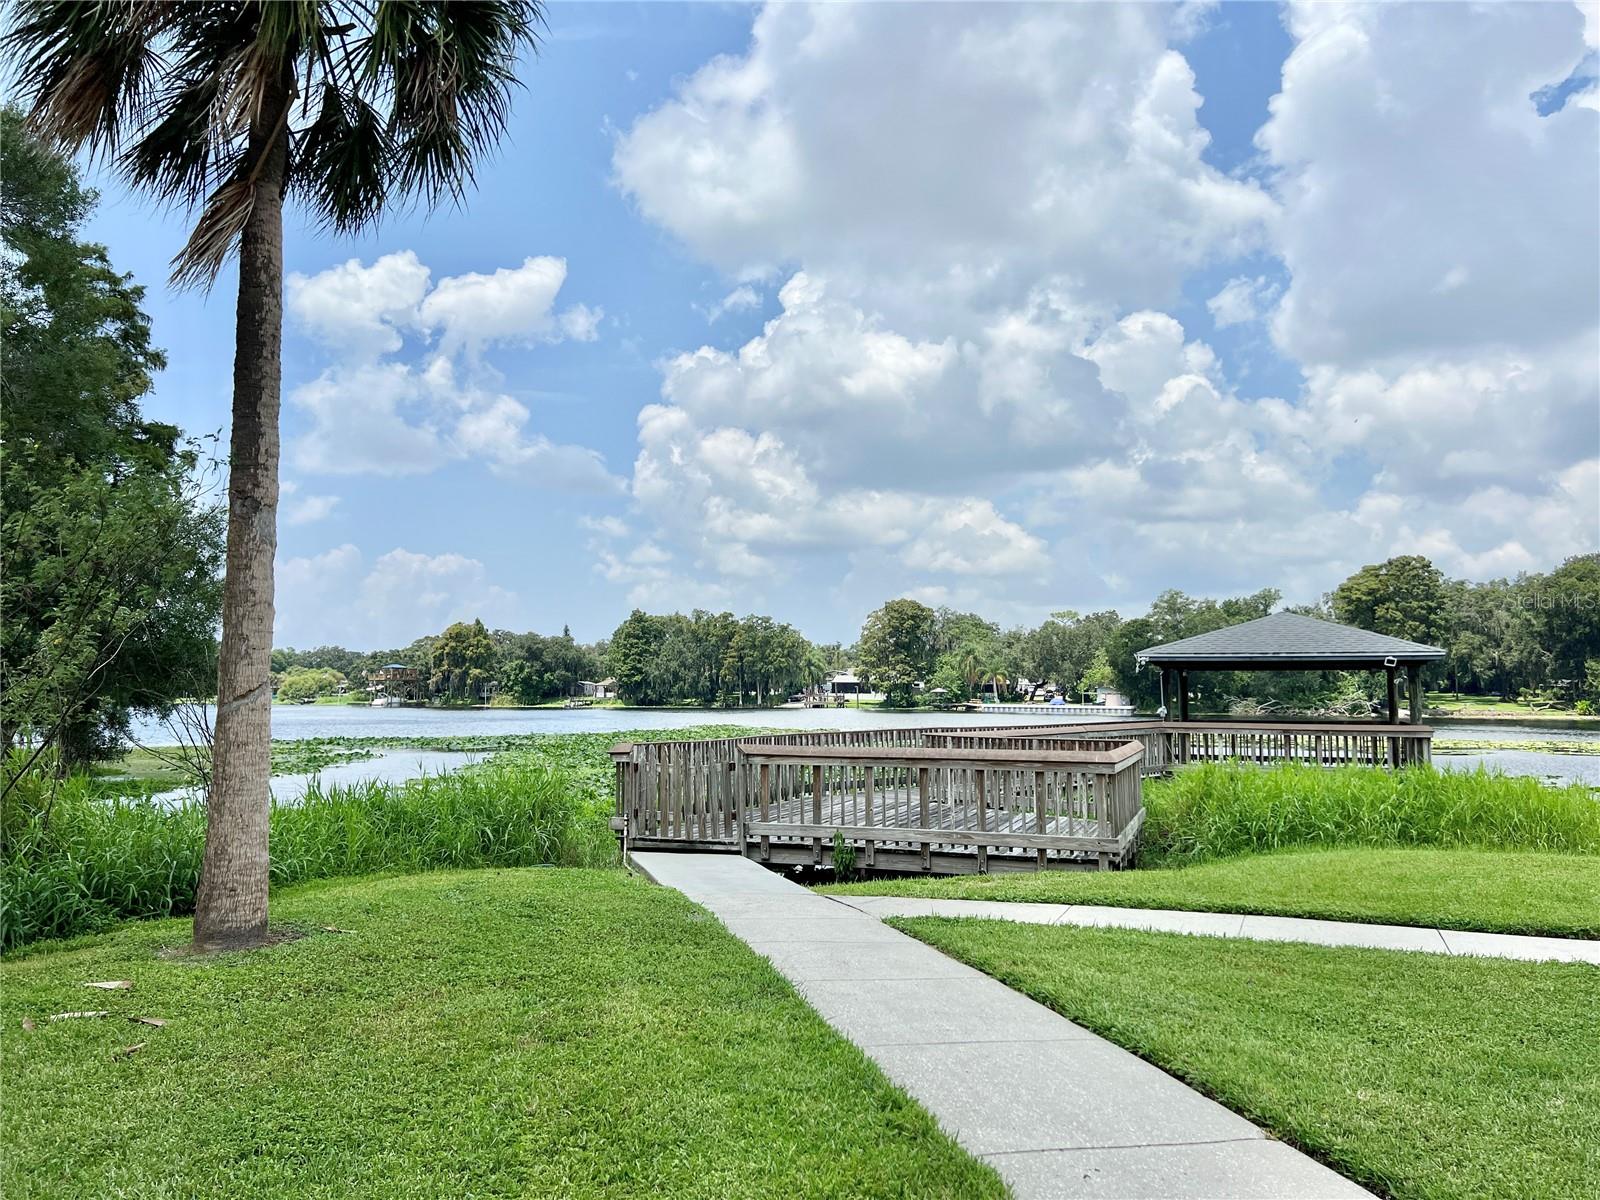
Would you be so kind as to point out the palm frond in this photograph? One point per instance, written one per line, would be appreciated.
(343, 161)
(451, 69)
(179, 157)
(396, 98)
(212, 240)
(84, 69)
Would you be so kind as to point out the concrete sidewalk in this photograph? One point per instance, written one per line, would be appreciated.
(1265, 929)
(1057, 1110)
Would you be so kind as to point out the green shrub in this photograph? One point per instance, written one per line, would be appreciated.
(73, 861)
(1218, 810)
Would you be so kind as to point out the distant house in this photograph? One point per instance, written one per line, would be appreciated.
(604, 689)
(1110, 697)
(843, 683)
(397, 680)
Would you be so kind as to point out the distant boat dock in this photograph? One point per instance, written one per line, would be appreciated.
(1052, 710)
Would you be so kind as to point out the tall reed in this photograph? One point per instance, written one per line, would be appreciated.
(73, 862)
(1222, 809)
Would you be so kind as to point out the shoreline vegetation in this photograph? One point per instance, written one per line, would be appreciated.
(1508, 651)
(1493, 710)
(78, 858)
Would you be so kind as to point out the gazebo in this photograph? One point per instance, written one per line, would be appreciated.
(1291, 642)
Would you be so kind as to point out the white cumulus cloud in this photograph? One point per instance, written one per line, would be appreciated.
(980, 221)
(375, 411)
(338, 597)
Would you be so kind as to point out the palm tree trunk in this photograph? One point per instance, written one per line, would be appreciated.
(231, 908)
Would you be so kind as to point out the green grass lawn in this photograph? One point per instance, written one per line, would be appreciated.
(487, 1033)
(1420, 1076)
(1462, 704)
(1469, 703)
(1556, 894)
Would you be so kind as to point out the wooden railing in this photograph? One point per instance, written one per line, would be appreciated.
(1330, 745)
(701, 793)
(1171, 743)
(691, 791)
(1011, 807)
(1151, 736)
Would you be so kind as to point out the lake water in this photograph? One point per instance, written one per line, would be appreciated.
(1553, 765)
(292, 722)
(385, 766)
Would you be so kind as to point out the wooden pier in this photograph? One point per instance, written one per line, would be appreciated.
(951, 800)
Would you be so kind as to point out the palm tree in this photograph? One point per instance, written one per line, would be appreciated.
(970, 662)
(994, 675)
(344, 106)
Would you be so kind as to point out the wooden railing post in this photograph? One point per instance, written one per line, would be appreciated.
(868, 783)
(1038, 811)
(766, 799)
(816, 812)
(979, 782)
(922, 800)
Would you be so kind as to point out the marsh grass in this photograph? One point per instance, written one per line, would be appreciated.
(1220, 810)
(78, 854)
(79, 861)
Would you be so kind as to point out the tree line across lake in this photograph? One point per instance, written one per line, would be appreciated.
(1536, 637)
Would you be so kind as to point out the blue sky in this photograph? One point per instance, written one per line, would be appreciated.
(1009, 308)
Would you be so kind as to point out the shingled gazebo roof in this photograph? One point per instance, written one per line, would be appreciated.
(1289, 642)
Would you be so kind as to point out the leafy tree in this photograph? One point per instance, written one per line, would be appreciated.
(303, 683)
(1403, 597)
(110, 596)
(952, 629)
(897, 647)
(1567, 616)
(970, 662)
(533, 668)
(334, 658)
(947, 675)
(1494, 642)
(831, 657)
(632, 657)
(342, 105)
(1061, 649)
(710, 658)
(463, 659)
(1098, 674)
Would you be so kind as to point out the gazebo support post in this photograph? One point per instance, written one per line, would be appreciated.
(1183, 695)
(1394, 714)
(1414, 691)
